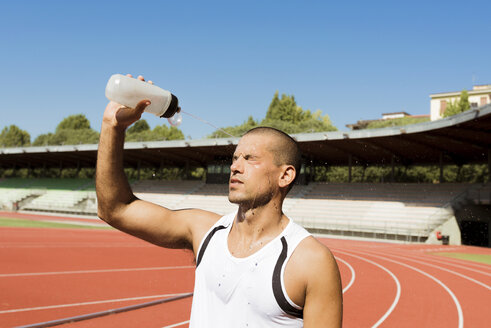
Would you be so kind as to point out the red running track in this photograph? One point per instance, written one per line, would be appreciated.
(48, 274)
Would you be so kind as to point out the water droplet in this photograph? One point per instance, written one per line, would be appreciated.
(175, 120)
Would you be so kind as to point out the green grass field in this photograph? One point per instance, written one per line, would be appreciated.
(11, 222)
(481, 258)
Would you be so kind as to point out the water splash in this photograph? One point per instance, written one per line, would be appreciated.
(206, 122)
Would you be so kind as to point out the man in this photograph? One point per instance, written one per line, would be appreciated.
(255, 267)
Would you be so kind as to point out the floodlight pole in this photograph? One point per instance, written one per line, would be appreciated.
(138, 165)
(60, 169)
(311, 178)
(489, 170)
(350, 163)
(441, 167)
(392, 169)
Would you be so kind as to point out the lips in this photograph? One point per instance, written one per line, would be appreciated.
(235, 181)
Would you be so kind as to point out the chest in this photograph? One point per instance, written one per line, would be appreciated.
(245, 283)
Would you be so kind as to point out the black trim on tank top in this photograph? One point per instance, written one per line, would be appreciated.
(277, 290)
(206, 242)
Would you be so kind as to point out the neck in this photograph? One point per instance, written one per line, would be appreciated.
(256, 222)
(254, 227)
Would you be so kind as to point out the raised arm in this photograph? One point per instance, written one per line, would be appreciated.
(119, 207)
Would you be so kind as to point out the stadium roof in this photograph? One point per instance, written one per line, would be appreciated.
(460, 139)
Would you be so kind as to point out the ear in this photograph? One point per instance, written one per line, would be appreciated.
(288, 174)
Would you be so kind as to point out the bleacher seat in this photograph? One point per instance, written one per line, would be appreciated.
(60, 200)
(412, 210)
(407, 210)
(46, 194)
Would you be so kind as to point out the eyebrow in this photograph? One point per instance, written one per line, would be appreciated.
(246, 156)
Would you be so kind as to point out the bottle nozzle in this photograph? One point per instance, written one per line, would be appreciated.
(173, 107)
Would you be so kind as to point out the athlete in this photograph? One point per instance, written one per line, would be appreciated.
(254, 267)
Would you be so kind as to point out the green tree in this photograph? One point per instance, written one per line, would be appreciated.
(43, 139)
(237, 130)
(75, 137)
(396, 122)
(72, 130)
(74, 122)
(284, 114)
(284, 109)
(458, 106)
(141, 131)
(138, 126)
(13, 136)
(307, 123)
(164, 132)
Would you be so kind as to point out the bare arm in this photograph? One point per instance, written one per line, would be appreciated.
(323, 294)
(312, 281)
(119, 207)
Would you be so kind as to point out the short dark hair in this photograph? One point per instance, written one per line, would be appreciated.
(287, 151)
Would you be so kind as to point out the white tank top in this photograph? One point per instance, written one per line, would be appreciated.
(244, 292)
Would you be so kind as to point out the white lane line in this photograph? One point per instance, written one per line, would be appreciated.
(3, 275)
(434, 255)
(454, 261)
(398, 285)
(440, 260)
(438, 267)
(90, 303)
(70, 245)
(177, 324)
(454, 298)
(345, 289)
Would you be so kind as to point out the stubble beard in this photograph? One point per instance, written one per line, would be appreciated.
(250, 201)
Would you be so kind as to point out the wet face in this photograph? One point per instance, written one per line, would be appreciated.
(253, 173)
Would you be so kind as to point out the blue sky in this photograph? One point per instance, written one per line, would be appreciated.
(225, 59)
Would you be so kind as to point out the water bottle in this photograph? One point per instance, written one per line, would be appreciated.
(129, 92)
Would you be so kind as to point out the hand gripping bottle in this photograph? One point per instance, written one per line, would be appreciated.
(129, 92)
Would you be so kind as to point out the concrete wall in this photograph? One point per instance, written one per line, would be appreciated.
(449, 228)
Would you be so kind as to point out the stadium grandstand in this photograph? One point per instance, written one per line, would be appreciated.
(452, 213)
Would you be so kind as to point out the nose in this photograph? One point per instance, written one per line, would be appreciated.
(237, 165)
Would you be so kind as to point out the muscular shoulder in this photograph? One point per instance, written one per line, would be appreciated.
(312, 257)
(320, 274)
(310, 265)
(200, 222)
(198, 218)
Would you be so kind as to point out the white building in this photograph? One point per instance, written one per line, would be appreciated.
(389, 116)
(480, 95)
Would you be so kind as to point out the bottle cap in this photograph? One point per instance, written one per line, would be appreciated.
(174, 105)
